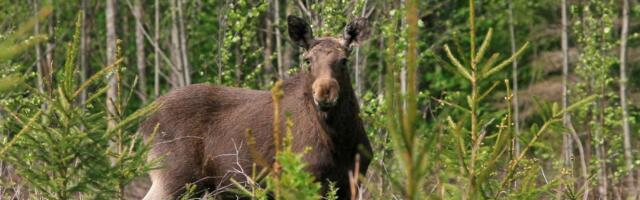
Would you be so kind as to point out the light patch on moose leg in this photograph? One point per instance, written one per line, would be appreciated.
(161, 186)
(157, 191)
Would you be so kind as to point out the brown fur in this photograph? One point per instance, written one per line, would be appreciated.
(201, 135)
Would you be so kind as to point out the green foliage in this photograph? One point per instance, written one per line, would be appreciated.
(65, 149)
(190, 190)
(332, 194)
(241, 18)
(479, 151)
(292, 182)
(450, 138)
(602, 118)
(15, 43)
(333, 16)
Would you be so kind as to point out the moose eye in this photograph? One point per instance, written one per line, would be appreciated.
(307, 61)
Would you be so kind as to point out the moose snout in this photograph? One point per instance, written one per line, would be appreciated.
(325, 93)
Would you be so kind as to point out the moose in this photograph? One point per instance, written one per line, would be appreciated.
(199, 131)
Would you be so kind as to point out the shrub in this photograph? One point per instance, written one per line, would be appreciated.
(66, 149)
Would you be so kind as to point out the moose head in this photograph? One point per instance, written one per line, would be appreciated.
(327, 57)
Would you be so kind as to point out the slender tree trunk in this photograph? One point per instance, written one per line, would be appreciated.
(632, 193)
(583, 162)
(588, 135)
(601, 153)
(112, 91)
(221, 27)
(381, 66)
(142, 83)
(268, 46)
(403, 68)
(183, 44)
(567, 147)
(156, 48)
(239, 62)
(287, 58)
(48, 66)
(276, 23)
(113, 85)
(358, 67)
(176, 55)
(36, 31)
(514, 76)
(588, 150)
(603, 181)
(603, 104)
(84, 39)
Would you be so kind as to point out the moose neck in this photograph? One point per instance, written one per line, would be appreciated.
(346, 109)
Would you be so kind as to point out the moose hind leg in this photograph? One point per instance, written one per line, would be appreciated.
(168, 183)
(159, 187)
(156, 192)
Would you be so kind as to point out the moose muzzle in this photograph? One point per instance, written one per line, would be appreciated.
(325, 93)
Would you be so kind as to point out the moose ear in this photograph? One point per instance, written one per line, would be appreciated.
(300, 31)
(356, 32)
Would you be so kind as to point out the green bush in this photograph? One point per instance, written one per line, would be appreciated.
(65, 149)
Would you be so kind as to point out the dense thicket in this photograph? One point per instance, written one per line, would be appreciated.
(509, 99)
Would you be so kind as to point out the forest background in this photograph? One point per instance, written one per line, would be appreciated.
(510, 99)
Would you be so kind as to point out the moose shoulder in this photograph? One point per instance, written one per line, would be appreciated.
(201, 128)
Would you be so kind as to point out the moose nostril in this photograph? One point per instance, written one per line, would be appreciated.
(325, 90)
(326, 94)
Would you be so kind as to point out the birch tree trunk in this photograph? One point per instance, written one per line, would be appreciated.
(112, 91)
(183, 44)
(287, 58)
(156, 48)
(142, 88)
(603, 182)
(359, 74)
(514, 76)
(221, 27)
(268, 46)
(36, 31)
(632, 193)
(566, 138)
(176, 55)
(602, 103)
(276, 23)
